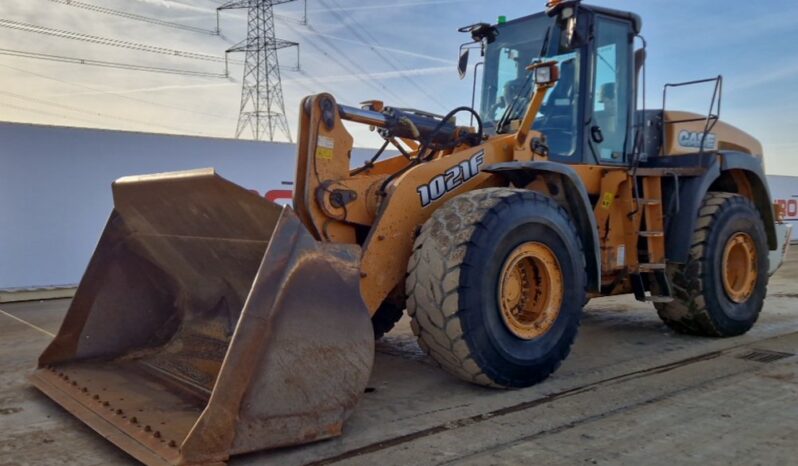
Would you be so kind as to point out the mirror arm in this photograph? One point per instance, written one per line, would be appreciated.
(462, 62)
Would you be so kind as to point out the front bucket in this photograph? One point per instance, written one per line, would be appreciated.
(210, 323)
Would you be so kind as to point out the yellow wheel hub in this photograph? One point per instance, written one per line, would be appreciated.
(530, 290)
(739, 267)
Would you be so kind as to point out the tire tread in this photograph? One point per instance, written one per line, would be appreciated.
(433, 283)
(689, 312)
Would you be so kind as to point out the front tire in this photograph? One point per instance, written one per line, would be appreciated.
(721, 289)
(496, 286)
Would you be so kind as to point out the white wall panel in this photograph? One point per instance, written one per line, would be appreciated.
(55, 188)
(55, 191)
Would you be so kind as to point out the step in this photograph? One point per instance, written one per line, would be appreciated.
(669, 172)
(651, 267)
(652, 234)
(649, 201)
(659, 299)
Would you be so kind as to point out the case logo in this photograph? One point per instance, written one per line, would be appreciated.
(452, 179)
(692, 139)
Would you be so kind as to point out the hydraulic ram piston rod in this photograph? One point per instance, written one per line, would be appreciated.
(402, 124)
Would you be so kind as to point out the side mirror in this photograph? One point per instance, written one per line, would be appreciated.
(462, 64)
(481, 33)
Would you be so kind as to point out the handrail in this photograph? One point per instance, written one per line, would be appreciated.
(711, 119)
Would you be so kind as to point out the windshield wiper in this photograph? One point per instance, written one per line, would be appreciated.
(506, 117)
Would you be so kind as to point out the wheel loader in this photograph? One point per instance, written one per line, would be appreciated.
(211, 322)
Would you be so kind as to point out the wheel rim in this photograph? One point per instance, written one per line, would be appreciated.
(739, 267)
(530, 290)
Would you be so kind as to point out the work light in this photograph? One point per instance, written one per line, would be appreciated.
(546, 73)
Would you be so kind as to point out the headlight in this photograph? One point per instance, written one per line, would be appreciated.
(543, 75)
(546, 73)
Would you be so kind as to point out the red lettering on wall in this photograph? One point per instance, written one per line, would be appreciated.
(790, 207)
(277, 195)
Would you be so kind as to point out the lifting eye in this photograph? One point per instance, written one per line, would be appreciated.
(327, 115)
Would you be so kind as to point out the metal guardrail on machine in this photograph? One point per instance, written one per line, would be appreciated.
(713, 116)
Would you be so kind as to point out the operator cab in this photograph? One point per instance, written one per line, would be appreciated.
(587, 117)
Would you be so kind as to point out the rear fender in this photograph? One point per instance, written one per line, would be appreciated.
(723, 174)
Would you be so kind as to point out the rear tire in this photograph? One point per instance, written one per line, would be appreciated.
(458, 273)
(729, 239)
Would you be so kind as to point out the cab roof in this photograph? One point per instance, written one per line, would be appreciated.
(635, 19)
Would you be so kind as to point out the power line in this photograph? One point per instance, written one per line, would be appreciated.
(300, 21)
(381, 47)
(379, 75)
(90, 112)
(361, 32)
(115, 94)
(345, 62)
(17, 25)
(351, 66)
(304, 22)
(108, 64)
(301, 83)
(394, 4)
(135, 17)
(153, 49)
(50, 114)
(262, 106)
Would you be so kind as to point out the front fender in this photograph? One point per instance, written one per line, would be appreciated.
(520, 174)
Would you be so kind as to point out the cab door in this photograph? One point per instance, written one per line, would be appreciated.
(609, 132)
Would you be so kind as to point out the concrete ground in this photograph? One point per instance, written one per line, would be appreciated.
(632, 392)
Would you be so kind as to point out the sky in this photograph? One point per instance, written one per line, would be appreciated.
(401, 51)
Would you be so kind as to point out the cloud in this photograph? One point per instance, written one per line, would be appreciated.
(387, 49)
(176, 5)
(762, 77)
(146, 89)
(391, 5)
(375, 76)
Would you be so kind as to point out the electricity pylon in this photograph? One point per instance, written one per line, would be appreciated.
(262, 106)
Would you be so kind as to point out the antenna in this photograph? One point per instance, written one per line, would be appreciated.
(262, 106)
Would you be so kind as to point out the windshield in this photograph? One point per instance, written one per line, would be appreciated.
(507, 86)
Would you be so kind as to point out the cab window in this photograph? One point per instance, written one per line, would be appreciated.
(558, 115)
(509, 79)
